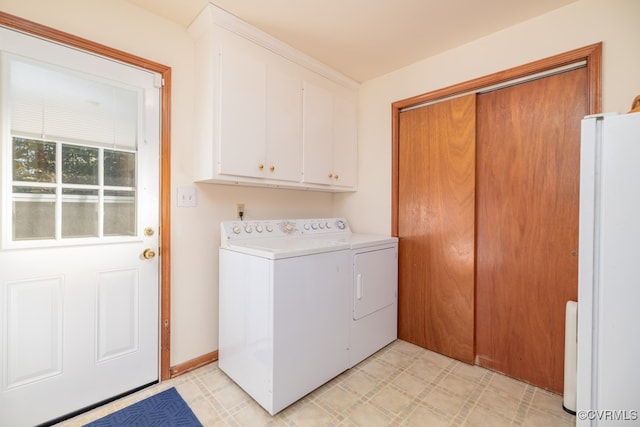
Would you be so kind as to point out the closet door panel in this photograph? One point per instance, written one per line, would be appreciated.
(527, 224)
(436, 227)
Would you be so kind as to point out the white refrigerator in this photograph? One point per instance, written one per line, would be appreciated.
(608, 337)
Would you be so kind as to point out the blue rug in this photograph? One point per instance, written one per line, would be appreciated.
(163, 409)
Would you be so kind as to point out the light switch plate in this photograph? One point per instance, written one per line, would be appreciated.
(187, 197)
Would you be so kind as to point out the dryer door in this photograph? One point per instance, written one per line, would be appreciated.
(375, 281)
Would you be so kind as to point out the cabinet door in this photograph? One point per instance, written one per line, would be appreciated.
(242, 112)
(318, 135)
(330, 136)
(284, 123)
(345, 151)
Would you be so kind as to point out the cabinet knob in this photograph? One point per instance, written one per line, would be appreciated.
(261, 166)
(330, 175)
(272, 168)
(336, 176)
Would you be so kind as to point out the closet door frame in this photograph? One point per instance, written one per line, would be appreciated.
(591, 54)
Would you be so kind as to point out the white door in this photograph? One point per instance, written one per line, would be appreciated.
(79, 182)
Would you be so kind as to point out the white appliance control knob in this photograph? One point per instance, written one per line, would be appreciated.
(306, 226)
(259, 228)
(314, 226)
(327, 225)
(247, 228)
(341, 225)
(321, 225)
(269, 228)
(236, 229)
(287, 227)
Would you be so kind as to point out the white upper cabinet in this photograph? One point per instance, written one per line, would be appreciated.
(345, 144)
(284, 123)
(318, 135)
(241, 131)
(330, 136)
(260, 113)
(267, 114)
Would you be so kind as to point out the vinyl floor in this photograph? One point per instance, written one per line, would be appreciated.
(400, 385)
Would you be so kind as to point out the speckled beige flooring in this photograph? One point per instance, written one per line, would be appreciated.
(401, 385)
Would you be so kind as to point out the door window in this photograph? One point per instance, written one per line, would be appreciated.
(73, 155)
(94, 186)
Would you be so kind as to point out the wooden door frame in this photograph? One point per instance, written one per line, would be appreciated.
(592, 54)
(48, 33)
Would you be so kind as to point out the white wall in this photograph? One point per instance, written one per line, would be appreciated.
(614, 22)
(195, 231)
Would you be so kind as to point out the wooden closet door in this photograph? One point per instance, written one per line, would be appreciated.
(527, 224)
(436, 227)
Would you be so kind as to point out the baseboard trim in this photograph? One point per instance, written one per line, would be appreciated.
(192, 364)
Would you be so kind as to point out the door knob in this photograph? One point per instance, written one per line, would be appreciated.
(148, 253)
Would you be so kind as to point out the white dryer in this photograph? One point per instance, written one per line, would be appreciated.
(374, 314)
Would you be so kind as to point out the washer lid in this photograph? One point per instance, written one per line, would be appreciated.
(278, 248)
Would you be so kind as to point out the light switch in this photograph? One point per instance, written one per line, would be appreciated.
(187, 197)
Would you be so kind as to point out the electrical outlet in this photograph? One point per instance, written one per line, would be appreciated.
(239, 210)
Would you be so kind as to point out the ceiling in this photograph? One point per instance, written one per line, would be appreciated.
(364, 39)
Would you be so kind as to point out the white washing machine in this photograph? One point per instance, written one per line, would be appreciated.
(300, 302)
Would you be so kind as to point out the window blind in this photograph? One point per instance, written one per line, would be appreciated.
(52, 103)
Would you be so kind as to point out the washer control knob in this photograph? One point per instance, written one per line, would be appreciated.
(321, 225)
(269, 228)
(236, 229)
(287, 227)
(306, 226)
(314, 226)
(341, 225)
(247, 228)
(328, 225)
(259, 228)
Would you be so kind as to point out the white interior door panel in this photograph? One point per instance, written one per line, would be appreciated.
(79, 300)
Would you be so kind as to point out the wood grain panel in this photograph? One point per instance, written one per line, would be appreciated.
(591, 54)
(436, 227)
(527, 224)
